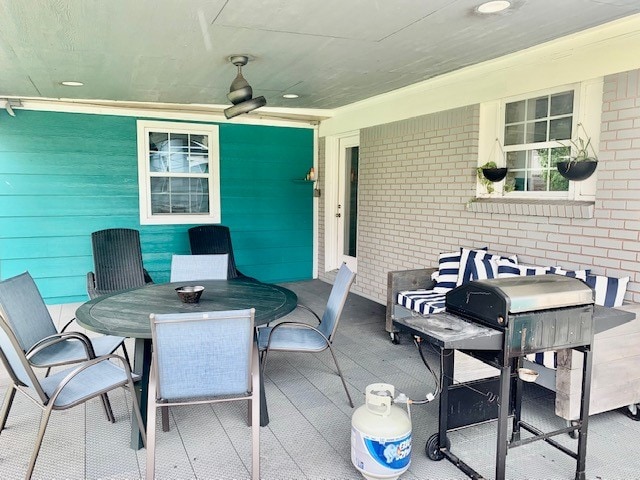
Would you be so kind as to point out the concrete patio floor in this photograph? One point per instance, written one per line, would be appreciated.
(308, 436)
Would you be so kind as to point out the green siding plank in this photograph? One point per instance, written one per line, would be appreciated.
(23, 206)
(69, 185)
(59, 267)
(67, 163)
(18, 248)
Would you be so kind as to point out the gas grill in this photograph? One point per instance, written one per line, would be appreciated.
(536, 313)
(498, 321)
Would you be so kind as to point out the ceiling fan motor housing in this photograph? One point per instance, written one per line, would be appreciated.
(240, 92)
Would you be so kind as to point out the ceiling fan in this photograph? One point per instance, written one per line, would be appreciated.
(240, 92)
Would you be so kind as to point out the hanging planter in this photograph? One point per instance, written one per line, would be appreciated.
(494, 174)
(582, 164)
(577, 170)
(490, 173)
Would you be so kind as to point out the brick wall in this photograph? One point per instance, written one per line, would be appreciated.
(417, 175)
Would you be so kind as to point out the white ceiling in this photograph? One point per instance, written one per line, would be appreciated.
(330, 52)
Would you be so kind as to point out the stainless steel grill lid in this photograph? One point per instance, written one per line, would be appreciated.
(493, 301)
(541, 292)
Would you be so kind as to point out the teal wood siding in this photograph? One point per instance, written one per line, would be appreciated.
(65, 175)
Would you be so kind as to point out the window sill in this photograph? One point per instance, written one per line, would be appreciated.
(539, 208)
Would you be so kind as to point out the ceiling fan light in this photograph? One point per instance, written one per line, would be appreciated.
(494, 6)
(245, 107)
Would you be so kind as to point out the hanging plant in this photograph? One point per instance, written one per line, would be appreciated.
(490, 173)
(582, 163)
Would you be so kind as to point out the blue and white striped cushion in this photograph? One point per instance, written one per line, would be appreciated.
(508, 269)
(579, 274)
(609, 291)
(467, 265)
(422, 301)
(448, 269)
(547, 359)
(483, 268)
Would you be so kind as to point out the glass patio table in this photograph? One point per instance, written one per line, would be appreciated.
(126, 314)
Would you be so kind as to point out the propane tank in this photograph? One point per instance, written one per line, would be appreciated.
(380, 435)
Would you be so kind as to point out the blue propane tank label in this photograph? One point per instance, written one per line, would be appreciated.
(381, 456)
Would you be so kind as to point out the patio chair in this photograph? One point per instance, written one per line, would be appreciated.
(199, 267)
(302, 337)
(62, 390)
(25, 312)
(214, 239)
(117, 259)
(205, 357)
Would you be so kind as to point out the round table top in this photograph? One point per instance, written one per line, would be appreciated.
(127, 313)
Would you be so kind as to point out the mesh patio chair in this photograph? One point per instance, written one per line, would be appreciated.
(117, 259)
(27, 315)
(62, 390)
(212, 240)
(302, 337)
(205, 357)
(199, 267)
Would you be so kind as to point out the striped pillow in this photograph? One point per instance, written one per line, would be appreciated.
(509, 269)
(467, 263)
(448, 268)
(609, 291)
(485, 267)
(547, 359)
(579, 274)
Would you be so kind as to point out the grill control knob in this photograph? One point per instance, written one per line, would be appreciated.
(500, 320)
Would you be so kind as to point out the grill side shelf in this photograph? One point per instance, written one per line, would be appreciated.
(452, 332)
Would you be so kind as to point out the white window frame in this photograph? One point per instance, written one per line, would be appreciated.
(144, 174)
(587, 110)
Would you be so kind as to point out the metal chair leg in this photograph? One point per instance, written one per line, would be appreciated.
(107, 408)
(6, 405)
(152, 409)
(36, 449)
(164, 412)
(136, 410)
(344, 384)
(126, 356)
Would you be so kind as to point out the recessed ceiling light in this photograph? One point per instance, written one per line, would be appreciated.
(71, 83)
(290, 95)
(494, 6)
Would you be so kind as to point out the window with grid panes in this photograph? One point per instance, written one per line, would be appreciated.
(179, 173)
(533, 128)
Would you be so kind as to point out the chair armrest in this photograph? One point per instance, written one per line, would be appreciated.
(295, 325)
(66, 325)
(88, 364)
(58, 338)
(401, 280)
(300, 305)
